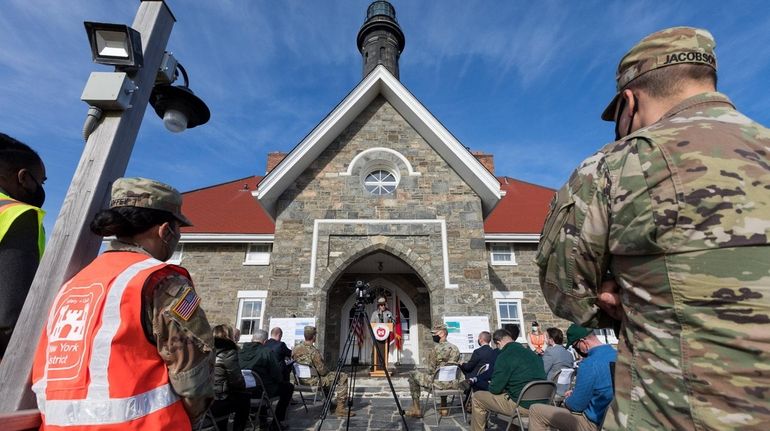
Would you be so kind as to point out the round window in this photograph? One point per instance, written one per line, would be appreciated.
(380, 182)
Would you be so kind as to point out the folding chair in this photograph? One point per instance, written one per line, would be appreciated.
(482, 369)
(538, 390)
(209, 422)
(446, 374)
(263, 401)
(302, 371)
(564, 380)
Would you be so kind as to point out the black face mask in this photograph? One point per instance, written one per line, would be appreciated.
(436, 338)
(580, 352)
(37, 198)
(622, 105)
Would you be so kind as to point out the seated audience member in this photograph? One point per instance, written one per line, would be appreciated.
(444, 353)
(555, 356)
(230, 394)
(514, 368)
(536, 339)
(307, 354)
(256, 356)
(282, 352)
(588, 401)
(485, 354)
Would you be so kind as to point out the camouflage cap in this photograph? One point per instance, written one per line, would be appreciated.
(310, 332)
(146, 193)
(575, 332)
(676, 45)
(439, 327)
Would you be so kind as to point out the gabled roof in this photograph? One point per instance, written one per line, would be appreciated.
(226, 208)
(379, 82)
(521, 211)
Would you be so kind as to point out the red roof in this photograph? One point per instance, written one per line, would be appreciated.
(226, 208)
(521, 210)
(230, 208)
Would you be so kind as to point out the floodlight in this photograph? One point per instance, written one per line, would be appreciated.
(178, 106)
(115, 44)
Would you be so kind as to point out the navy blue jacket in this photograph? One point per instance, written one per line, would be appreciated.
(482, 355)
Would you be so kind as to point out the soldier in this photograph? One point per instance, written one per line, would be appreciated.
(127, 345)
(307, 354)
(443, 353)
(667, 230)
(382, 315)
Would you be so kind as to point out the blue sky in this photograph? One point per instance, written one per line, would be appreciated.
(524, 80)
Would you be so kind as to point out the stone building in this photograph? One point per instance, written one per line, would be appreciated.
(378, 191)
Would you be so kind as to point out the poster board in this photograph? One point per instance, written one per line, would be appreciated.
(463, 331)
(293, 328)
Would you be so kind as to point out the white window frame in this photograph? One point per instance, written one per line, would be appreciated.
(508, 246)
(176, 257)
(254, 257)
(510, 297)
(243, 297)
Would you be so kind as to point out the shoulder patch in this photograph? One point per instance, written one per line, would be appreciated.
(187, 305)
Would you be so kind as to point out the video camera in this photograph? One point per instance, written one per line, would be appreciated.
(364, 293)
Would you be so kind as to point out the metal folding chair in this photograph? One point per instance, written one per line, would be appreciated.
(264, 400)
(446, 374)
(538, 390)
(482, 369)
(306, 371)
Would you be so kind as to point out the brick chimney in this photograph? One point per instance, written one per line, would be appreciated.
(488, 160)
(273, 159)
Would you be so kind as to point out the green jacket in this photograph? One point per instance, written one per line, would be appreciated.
(262, 360)
(514, 368)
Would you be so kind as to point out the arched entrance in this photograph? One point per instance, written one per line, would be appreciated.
(388, 276)
(409, 354)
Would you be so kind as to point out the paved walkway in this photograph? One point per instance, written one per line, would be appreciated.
(375, 409)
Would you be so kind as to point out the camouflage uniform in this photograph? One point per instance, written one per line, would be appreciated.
(678, 214)
(443, 353)
(307, 354)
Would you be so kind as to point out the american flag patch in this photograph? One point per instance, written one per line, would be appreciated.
(187, 305)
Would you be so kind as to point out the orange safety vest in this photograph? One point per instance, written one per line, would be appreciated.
(94, 368)
(537, 341)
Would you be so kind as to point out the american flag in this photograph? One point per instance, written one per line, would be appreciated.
(358, 329)
(187, 306)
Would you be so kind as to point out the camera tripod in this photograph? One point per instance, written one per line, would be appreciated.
(360, 312)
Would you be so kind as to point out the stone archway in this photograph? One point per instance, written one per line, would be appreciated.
(326, 278)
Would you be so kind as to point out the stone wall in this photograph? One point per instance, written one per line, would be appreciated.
(523, 277)
(219, 273)
(324, 191)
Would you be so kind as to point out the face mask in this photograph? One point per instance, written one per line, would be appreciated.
(37, 197)
(170, 241)
(534, 329)
(479, 343)
(436, 338)
(622, 104)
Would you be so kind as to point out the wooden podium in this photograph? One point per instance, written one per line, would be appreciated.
(381, 334)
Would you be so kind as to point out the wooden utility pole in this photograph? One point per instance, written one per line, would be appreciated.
(72, 245)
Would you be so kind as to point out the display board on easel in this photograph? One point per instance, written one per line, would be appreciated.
(293, 328)
(463, 331)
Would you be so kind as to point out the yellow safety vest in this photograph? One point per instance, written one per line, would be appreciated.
(11, 209)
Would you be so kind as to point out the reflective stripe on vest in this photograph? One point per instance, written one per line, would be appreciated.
(97, 408)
